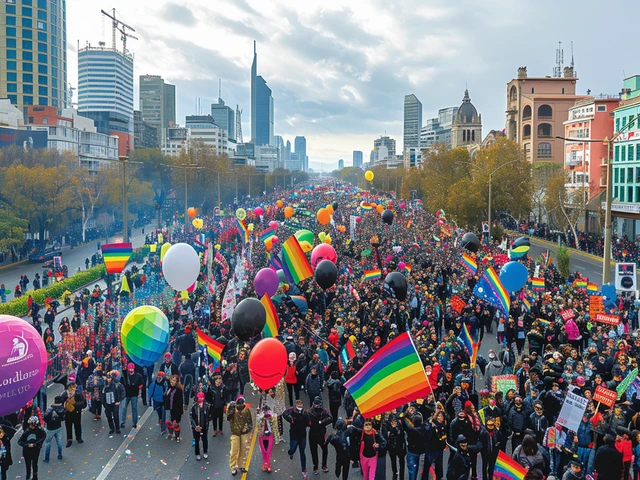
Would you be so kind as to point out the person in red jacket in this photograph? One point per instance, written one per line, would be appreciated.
(625, 447)
(291, 378)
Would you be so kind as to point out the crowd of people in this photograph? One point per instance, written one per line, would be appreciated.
(455, 432)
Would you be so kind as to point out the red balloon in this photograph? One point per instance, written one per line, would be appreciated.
(274, 239)
(324, 251)
(267, 363)
(258, 211)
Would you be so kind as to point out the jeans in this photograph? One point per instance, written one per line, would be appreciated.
(112, 413)
(158, 407)
(413, 463)
(583, 457)
(134, 410)
(435, 459)
(51, 434)
(302, 443)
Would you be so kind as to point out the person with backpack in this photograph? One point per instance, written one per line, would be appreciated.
(371, 442)
(156, 399)
(53, 418)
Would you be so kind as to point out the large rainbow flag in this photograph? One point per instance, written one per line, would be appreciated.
(470, 264)
(372, 274)
(116, 256)
(393, 376)
(213, 347)
(507, 468)
(272, 325)
(243, 231)
(294, 263)
(491, 289)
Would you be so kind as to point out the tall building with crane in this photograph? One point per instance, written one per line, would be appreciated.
(105, 84)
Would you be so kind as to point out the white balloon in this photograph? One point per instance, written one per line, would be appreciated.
(181, 266)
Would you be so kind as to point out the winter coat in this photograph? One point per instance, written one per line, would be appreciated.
(200, 416)
(313, 385)
(608, 463)
(113, 392)
(169, 370)
(535, 463)
(573, 331)
(491, 443)
(436, 437)
(493, 369)
(132, 384)
(416, 437)
(174, 408)
(240, 422)
(318, 420)
(290, 375)
(5, 452)
(517, 420)
(299, 420)
(243, 370)
(35, 436)
(460, 466)
(216, 396)
(396, 443)
(75, 405)
(334, 387)
(539, 425)
(585, 435)
(54, 416)
(157, 391)
(625, 447)
(341, 440)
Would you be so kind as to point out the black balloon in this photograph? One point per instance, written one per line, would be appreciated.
(397, 283)
(326, 274)
(222, 339)
(248, 319)
(335, 206)
(387, 217)
(470, 242)
(521, 242)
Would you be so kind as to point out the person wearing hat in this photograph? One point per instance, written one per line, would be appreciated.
(157, 389)
(574, 472)
(5, 450)
(460, 465)
(132, 382)
(111, 396)
(340, 439)
(517, 421)
(608, 461)
(313, 383)
(31, 442)
(493, 369)
(319, 418)
(200, 418)
(53, 417)
(74, 403)
(168, 367)
(265, 436)
(291, 378)
(241, 424)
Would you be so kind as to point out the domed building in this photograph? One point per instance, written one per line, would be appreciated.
(467, 124)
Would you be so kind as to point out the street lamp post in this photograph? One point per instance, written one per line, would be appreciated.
(490, 178)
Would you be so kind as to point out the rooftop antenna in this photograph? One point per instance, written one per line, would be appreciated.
(219, 89)
(557, 71)
(575, 73)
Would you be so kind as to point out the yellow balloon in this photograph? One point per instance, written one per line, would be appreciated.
(241, 214)
(368, 175)
(327, 239)
(164, 249)
(322, 236)
(218, 246)
(306, 247)
(250, 227)
(197, 222)
(184, 295)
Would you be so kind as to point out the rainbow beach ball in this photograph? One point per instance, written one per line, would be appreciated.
(145, 335)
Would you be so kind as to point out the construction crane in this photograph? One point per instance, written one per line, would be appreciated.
(118, 25)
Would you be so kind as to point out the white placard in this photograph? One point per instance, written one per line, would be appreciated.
(572, 410)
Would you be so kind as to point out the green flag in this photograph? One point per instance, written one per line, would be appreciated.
(620, 389)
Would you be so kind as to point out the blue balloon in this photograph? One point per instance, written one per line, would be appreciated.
(514, 276)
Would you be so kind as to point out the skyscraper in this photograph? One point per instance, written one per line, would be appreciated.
(225, 118)
(157, 103)
(412, 121)
(261, 106)
(340, 164)
(300, 144)
(33, 47)
(105, 92)
(279, 143)
(357, 159)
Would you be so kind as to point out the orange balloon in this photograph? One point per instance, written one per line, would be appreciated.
(192, 212)
(380, 208)
(329, 207)
(323, 216)
(373, 204)
(279, 203)
(288, 212)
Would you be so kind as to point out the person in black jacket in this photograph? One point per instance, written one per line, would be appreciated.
(334, 387)
(132, 383)
(73, 403)
(53, 418)
(5, 452)
(460, 465)
(298, 418)
(608, 461)
(319, 418)
(396, 445)
(31, 442)
(413, 424)
(340, 441)
(112, 394)
(492, 442)
(216, 395)
(169, 368)
(200, 417)
(436, 443)
(187, 343)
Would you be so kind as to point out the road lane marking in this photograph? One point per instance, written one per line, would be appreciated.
(253, 444)
(125, 444)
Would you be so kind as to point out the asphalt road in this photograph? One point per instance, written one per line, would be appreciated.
(72, 258)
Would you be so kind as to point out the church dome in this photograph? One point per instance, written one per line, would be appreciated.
(467, 113)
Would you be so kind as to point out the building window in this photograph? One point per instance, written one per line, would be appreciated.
(616, 174)
(27, 33)
(630, 175)
(11, 54)
(473, 137)
(27, 78)
(616, 153)
(544, 150)
(11, 20)
(10, 9)
(42, 26)
(27, 89)
(544, 130)
(27, 12)
(11, 43)
(27, 22)
(513, 93)
(13, 99)
(622, 194)
(27, 67)
(618, 124)
(43, 91)
(12, 77)
(526, 112)
(615, 193)
(27, 56)
(602, 108)
(43, 69)
(630, 194)
(11, 31)
(27, 45)
(623, 153)
(533, 90)
(562, 89)
(545, 111)
(42, 47)
(12, 87)
(11, 65)
(42, 58)
(42, 15)
(630, 153)
(27, 100)
(44, 101)
(42, 37)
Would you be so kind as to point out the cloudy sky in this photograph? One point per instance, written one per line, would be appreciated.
(339, 69)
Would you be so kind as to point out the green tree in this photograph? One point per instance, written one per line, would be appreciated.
(564, 258)
(12, 231)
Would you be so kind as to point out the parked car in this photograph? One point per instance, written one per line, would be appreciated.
(43, 255)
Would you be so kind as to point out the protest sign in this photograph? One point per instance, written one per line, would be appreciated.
(624, 384)
(504, 383)
(596, 305)
(567, 315)
(604, 395)
(457, 303)
(608, 319)
(572, 410)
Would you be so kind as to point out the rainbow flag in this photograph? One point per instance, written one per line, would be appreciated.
(275, 263)
(346, 355)
(213, 347)
(294, 263)
(526, 302)
(267, 234)
(408, 268)
(393, 376)
(537, 284)
(470, 264)
(372, 274)
(272, 325)
(365, 206)
(580, 283)
(491, 289)
(471, 344)
(115, 256)
(543, 322)
(508, 468)
(243, 231)
(592, 288)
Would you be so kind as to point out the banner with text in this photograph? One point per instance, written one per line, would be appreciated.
(572, 410)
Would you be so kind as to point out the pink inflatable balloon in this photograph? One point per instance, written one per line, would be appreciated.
(401, 266)
(402, 205)
(258, 211)
(23, 363)
(324, 251)
(275, 239)
(273, 224)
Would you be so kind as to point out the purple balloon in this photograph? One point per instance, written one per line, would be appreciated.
(266, 281)
(23, 363)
